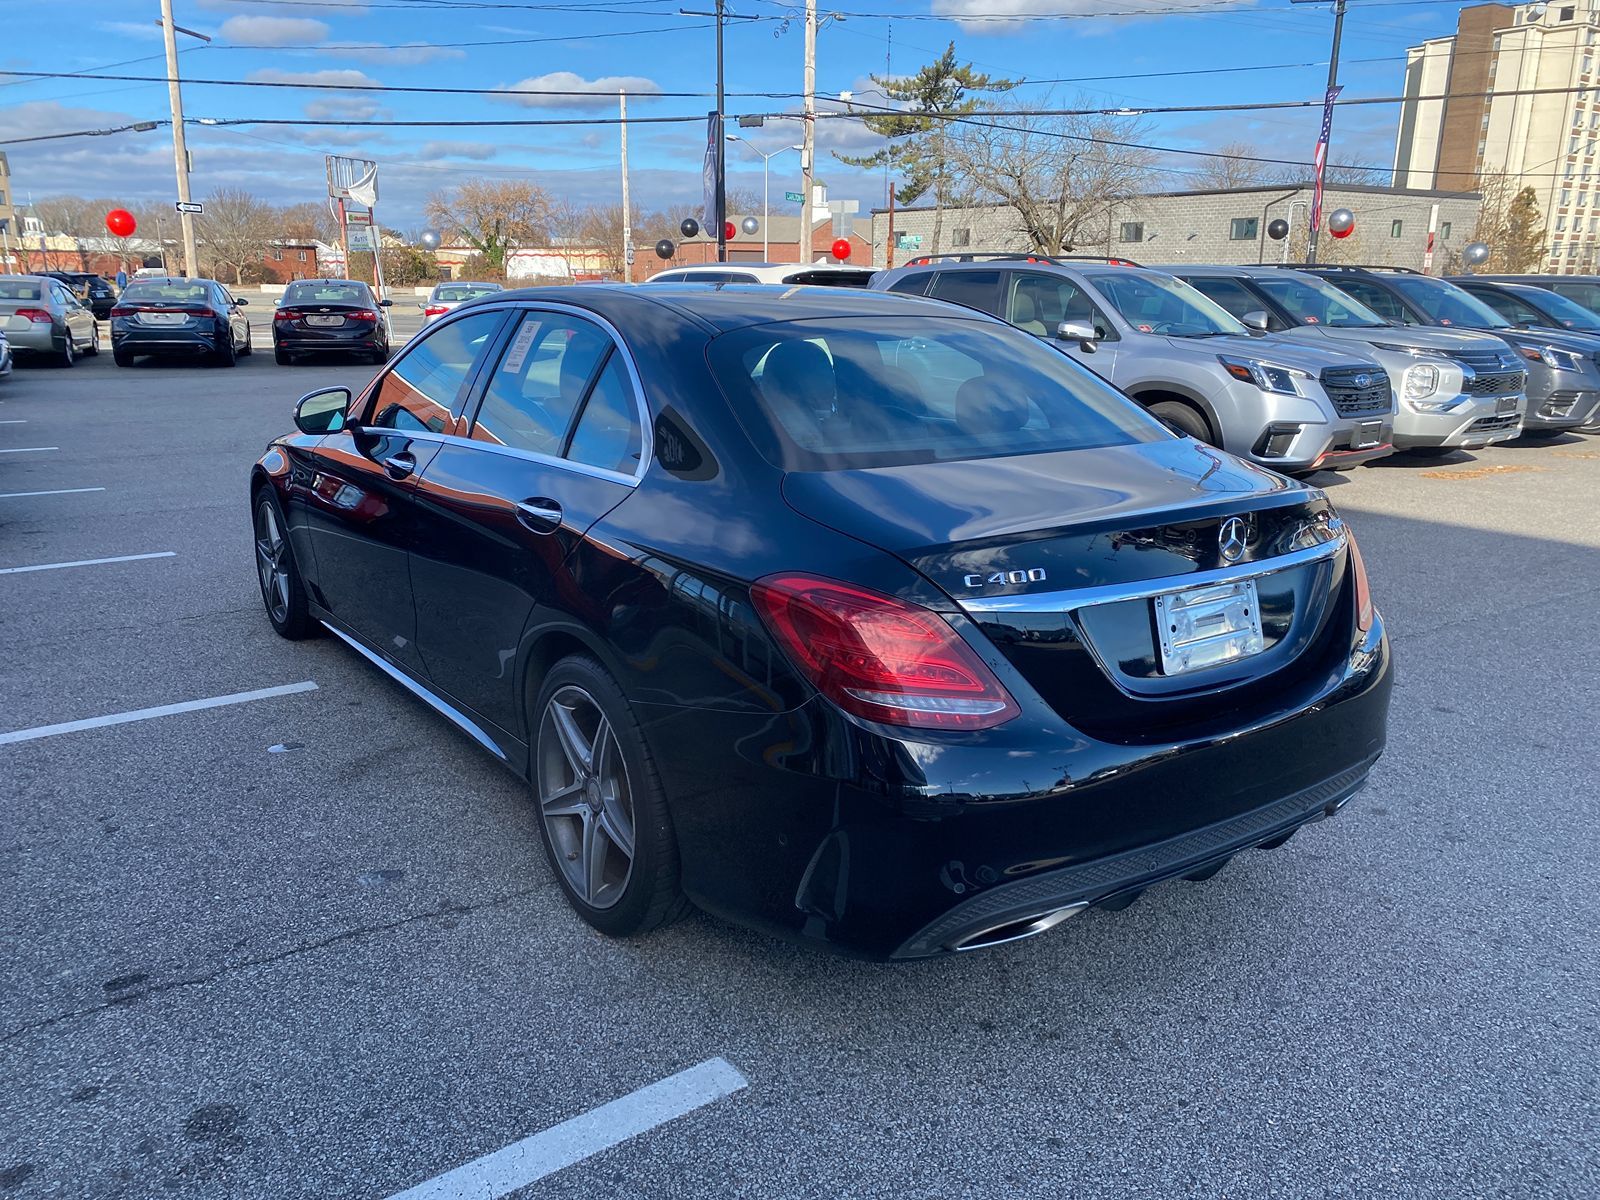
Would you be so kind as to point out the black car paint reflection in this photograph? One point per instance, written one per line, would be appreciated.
(790, 813)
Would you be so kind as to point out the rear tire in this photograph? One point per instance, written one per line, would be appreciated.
(282, 590)
(379, 357)
(123, 358)
(1180, 416)
(227, 355)
(282, 357)
(603, 815)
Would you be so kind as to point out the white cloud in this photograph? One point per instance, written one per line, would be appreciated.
(971, 14)
(586, 93)
(410, 55)
(273, 31)
(343, 108)
(477, 151)
(345, 77)
(131, 29)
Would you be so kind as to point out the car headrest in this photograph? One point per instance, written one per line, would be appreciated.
(983, 408)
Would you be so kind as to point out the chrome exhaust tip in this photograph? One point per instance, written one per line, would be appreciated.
(1018, 928)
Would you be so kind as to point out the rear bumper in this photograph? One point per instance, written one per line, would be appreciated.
(816, 828)
(314, 344)
(41, 339)
(165, 341)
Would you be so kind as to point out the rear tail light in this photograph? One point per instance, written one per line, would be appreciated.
(283, 314)
(881, 658)
(435, 310)
(363, 314)
(41, 315)
(1363, 590)
(119, 311)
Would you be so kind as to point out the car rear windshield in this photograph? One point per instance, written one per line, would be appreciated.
(827, 278)
(454, 293)
(326, 293)
(1446, 304)
(166, 293)
(21, 289)
(1154, 303)
(1312, 302)
(860, 392)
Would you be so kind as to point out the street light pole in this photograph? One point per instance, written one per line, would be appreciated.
(809, 140)
(766, 160)
(180, 147)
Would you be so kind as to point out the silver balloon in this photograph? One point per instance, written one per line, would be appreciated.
(1475, 253)
(430, 239)
(1341, 220)
(750, 225)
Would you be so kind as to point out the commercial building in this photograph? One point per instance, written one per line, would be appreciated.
(1224, 226)
(1520, 104)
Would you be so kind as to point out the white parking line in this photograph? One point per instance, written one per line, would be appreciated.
(146, 714)
(87, 562)
(57, 492)
(17, 421)
(531, 1159)
(30, 449)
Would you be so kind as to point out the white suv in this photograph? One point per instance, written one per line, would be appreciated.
(825, 274)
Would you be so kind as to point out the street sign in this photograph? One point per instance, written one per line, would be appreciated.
(908, 241)
(630, 256)
(793, 197)
(356, 216)
(191, 206)
(360, 237)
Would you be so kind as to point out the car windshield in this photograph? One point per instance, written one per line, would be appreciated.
(1312, 302)
(165, 293)
(326, 293)
(1154, 303)
(454, 293)
(863, 392)
(1446, 304)
(1570, 313)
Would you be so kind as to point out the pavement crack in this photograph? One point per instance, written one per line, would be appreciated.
(344, 935)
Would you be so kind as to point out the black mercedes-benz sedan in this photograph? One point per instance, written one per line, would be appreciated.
(856, 617)
(330, 316)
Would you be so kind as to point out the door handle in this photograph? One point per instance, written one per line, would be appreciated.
(540, 514)
(400, 465)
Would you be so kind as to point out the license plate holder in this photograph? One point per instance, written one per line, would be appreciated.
(154, 318)
(1504, 405)
(1368, 433)
(1204, 627)
(324, 322)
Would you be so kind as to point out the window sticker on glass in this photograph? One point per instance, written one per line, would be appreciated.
(520, 345)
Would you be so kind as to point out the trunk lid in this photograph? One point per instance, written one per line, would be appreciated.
(1060, 560)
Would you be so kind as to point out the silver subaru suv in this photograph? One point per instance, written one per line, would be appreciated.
(1458, 389)
(1278, 402)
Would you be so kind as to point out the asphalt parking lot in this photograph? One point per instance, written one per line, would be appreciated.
(305, 944)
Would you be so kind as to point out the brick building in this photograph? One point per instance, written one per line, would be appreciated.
(782, 245)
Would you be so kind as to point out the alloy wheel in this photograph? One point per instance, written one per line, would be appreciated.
(585, 798)
(272, 561)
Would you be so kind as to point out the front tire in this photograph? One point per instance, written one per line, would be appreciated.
(94, 344)
(68, 356)
(282, 590)
(249, 346)
(603, 815)
(1186, 420)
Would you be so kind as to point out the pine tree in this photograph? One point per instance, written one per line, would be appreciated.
(918, 146)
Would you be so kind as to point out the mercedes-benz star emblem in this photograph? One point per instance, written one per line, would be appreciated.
(1232, 539)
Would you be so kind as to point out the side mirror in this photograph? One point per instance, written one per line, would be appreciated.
(1256, 319)
(385, 303)
(240, 300)
(322, 411)
(1078, 331)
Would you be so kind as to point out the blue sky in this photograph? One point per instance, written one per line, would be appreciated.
(409, 43)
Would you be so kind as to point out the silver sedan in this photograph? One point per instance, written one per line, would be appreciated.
(42, 318)
(447, 296)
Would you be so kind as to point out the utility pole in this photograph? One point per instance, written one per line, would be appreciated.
(808, 154)
(180, 148)
(722, 158)
(627, 215)
(1326, 137)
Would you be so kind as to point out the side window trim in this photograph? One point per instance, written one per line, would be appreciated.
(582, 406)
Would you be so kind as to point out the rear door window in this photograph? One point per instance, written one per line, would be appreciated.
(975, 289)
(607, 434)
(547, 369)
(1378, 299)
(914, 284)
(421, 391)
(1584, 292)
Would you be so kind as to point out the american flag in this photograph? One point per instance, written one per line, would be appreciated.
(1322, 154)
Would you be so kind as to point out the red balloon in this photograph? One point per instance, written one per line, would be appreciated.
(1342, 233)
(120, 222)
(727, 231)
(841, 248)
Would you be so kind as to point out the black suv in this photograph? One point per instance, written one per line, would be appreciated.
(95, 291)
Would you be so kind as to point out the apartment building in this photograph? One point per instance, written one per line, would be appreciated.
(1519, 100)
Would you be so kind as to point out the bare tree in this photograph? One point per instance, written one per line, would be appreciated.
(235, 232)
(494, 216)
(1060, 175)
(74, 217)
(1234, 166)
(309, 221)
